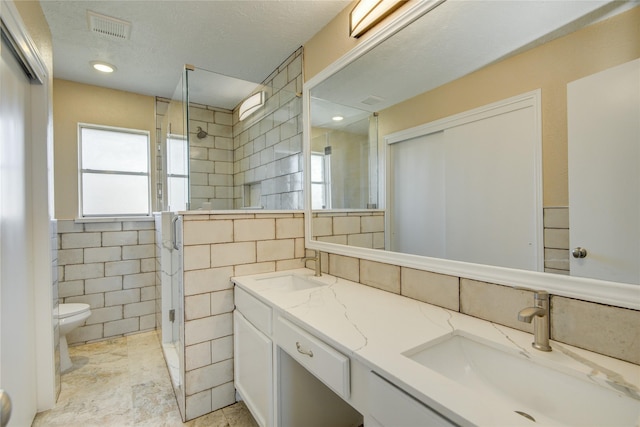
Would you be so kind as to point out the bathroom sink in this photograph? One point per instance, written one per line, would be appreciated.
(533, 390)
(289, 283)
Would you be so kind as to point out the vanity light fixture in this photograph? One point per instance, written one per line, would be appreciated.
(250, 105)
(337, 118)
(103, 67)
(367, 13)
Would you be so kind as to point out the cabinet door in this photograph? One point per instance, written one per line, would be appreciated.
(390, 406)
(253, 369)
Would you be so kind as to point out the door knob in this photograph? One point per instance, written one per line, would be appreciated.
(579, 252)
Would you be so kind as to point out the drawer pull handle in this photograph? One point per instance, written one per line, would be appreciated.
(305, 352)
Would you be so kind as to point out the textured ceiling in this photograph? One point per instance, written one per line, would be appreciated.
(455, 39)
(243, 39)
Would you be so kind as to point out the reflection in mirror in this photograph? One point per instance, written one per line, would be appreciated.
(480, 54)
(344, 154)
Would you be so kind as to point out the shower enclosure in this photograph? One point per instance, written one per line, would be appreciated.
(224, 144)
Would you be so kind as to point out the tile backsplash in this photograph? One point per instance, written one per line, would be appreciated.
(612, 331)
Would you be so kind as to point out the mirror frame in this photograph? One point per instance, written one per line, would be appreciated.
(594, 290)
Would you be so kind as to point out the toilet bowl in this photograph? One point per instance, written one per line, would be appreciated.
(70, 316)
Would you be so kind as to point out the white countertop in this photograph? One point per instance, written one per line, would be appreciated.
(376, 327)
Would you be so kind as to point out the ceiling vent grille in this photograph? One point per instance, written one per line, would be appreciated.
(108, 26)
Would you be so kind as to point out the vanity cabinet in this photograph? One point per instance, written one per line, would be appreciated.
(389, 406)
(328, 365)
(253, 356)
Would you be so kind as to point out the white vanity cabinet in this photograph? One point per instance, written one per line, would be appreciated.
(253, 356)
(389, 406)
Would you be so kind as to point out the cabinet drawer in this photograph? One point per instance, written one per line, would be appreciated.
(255, 311)
(326, 363)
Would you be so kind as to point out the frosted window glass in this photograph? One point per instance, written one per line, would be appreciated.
(178, 193)
(110, 194)
(113, 150)
(115, 172)
(317, 168)
(317, 196)
(177, 157)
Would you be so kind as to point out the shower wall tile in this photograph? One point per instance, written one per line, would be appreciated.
(110, 266)
(268, 144)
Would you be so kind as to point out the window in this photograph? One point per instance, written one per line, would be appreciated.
(320, 172)
(177, 172)
(114, 171)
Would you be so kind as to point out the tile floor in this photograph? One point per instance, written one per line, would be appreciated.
(124, 382)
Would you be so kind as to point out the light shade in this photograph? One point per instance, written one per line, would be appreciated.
(103, 66)
(368, 13)
(250, 105)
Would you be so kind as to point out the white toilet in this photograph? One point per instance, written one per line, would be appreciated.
(70, 316)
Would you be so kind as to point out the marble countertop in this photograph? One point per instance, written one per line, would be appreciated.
(377, 327)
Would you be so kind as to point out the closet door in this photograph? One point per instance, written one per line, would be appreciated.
(418, 203)
(491, 197)
(468, 187)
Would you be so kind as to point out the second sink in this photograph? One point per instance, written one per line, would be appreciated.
(533, 390)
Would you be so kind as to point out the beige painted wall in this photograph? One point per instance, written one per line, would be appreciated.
(333, 41)
(75, 103)
(549, 67)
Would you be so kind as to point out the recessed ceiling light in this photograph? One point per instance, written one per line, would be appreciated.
(103, 66)
(337, 118)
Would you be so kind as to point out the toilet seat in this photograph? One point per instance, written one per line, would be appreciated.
(71, 309)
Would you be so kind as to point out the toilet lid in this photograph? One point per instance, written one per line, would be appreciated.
(66, 310)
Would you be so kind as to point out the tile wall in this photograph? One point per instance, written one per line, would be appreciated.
(556, 240)
(604, 329)
(268, 144)
(217, 247)
(211, 157)
(110, 266)
(361, 229)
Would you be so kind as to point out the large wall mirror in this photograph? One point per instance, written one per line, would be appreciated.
(447, 142)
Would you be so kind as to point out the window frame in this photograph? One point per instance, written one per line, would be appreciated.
(81, 172)
(326, 183)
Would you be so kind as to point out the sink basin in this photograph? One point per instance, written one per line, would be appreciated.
(289, 283)
(537, 392)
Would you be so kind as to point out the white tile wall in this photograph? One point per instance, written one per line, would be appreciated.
(268, 145)
(361, 229)
(259, 242)
(111, 266)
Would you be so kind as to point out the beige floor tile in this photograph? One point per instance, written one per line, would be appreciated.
(124, 383)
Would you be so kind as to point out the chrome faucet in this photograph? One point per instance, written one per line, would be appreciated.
(539, 314)
(317, 261)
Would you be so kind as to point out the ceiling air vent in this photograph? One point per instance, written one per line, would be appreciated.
(108, 26)
(372, 100)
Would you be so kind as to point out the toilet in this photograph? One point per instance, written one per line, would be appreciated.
(70, 316)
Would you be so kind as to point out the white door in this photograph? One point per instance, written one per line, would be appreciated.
(604, 173)
(17, 295)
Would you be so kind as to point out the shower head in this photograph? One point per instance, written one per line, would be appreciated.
(201, 133)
